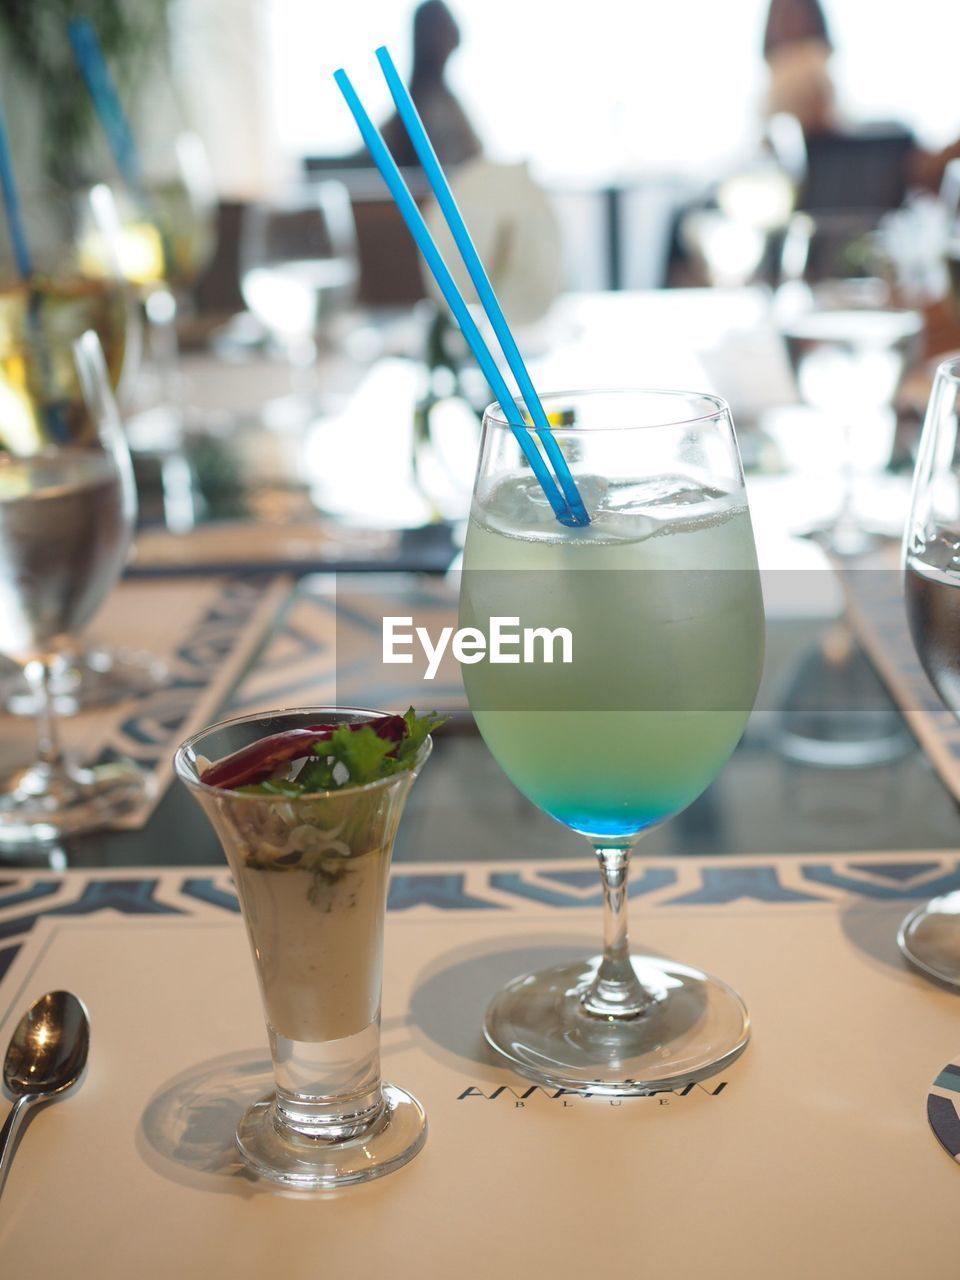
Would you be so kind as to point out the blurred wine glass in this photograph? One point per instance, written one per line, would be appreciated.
(166, 238)
(850, 341)
(298, 271)
(75, 284)
(67, 512)
(930, 935)
(65, 294)
(731, 241)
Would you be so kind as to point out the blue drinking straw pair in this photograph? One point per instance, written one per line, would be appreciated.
(563, 497)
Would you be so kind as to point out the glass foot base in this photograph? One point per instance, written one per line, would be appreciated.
(694, 1026)
(81, 681)
(276, 1152)
(37, 807)
(930, 938)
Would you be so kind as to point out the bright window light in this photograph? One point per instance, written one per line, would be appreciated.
(609, 89)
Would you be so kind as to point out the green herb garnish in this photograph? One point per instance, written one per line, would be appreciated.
(352, 756)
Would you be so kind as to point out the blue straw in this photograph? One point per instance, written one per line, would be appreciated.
(481, 281)
(106, 101)
(21, 250)
(418, 229)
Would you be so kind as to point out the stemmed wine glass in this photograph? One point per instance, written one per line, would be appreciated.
(298, 268)
(661, 596)
(76, 284)
(67, 511)
(930, 935)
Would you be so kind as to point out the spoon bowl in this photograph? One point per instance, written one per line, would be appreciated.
(44, 1060)
(49, 1047)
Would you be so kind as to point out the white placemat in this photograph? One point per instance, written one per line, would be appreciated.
(809, 1156)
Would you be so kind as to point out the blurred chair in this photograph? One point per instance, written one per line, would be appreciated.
(217, 291)
(863, 170)
(389, 265)
(853, 180)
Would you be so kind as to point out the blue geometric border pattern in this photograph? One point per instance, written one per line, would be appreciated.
(942, 1110)
(737, 885)
(160, 719)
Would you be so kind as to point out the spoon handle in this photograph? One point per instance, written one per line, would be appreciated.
(8, 1134)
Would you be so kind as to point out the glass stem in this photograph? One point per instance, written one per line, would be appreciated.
(846, 537)
(39, 674)
(846, 519)
(302, 357)
(161, 309)
(616, 991)
(176, 475)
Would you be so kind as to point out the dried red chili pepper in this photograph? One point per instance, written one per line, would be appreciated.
(260, 759)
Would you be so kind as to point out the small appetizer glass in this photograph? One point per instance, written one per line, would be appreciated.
(311, 873)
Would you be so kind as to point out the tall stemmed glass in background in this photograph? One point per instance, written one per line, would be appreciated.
(166, 238)
(661, 594)
(930, 935)
(298, 270)
(67, 511)
(849, 344)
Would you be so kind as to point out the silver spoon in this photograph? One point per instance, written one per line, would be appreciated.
(45, 1058)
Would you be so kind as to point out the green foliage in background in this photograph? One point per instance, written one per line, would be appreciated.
(33, 34)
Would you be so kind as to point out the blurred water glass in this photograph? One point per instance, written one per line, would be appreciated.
(850, 343)
(65, 294)
(298, 273)
(731, 242)
(728, 252)
(67, 513)
(165, 237)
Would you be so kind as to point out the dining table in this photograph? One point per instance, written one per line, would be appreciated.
(828, 1148)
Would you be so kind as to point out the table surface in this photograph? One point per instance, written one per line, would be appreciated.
(810, 1155)
(777, 794)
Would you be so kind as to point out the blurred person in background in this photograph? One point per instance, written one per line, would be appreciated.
(797, 49)
(436, 37)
